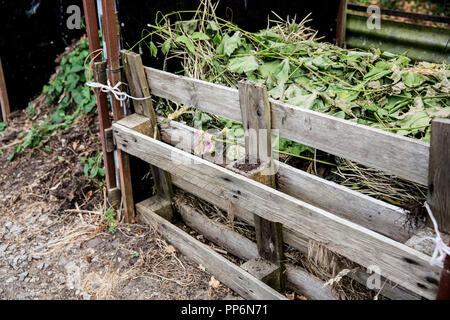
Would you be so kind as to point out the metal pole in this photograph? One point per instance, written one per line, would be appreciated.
(111, 36)
(102, 99)
(4, 101)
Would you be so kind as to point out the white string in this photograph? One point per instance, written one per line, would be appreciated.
(119, 95)
(440, 249)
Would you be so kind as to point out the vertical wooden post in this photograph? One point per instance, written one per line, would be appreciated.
(114, 73)
(90, 14)
(256, 118)
(137, 82)
(4, 101)
(341, 24)
(439, 190)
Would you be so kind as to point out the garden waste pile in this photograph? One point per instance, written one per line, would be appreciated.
(373, 88)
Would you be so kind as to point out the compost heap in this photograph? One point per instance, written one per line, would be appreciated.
(373, 88)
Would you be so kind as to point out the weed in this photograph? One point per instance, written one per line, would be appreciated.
(111, 218)
(71, 95)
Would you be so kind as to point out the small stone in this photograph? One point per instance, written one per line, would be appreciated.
(23, 275)
(95, 285)
(8, 224)
(40, 266)
(86, 296)
(12, 279)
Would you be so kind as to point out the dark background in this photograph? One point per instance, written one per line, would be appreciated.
(250, 15)
(32, 34)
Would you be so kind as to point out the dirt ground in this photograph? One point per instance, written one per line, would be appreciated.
(54, 237)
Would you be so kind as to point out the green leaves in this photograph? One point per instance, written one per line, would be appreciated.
(153, 49)
(380, 70)
(166, 46)
(412, 79)
(200, 36)
(229, 44)
(243, 64)
(93, 166)
(186, 42)
(66, 90)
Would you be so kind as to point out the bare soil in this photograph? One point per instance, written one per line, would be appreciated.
(54, 237)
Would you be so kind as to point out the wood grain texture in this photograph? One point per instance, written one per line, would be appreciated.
(394, 154)
(228, 273)
(397, 262)
(245, 249)
(390, 290)
(364, 210)
(137, 82)
(255, 111)
(439, 175)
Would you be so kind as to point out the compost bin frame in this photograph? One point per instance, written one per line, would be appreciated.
(347, 233)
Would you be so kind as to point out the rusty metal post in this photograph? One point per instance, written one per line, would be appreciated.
(4, 101)
(111, 36)
(90, 14)
(341, 24)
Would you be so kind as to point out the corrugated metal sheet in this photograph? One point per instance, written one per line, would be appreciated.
(420, 42)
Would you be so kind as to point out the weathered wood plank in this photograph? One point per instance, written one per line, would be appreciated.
(228, 273)
(243, 248)
(389, 290)
(396, 261)
(439, 175)
(255, 110)
(364, 210)
(439, 190)
(137, 82)
(407, 158)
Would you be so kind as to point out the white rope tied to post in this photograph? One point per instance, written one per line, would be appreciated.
(440, 249)
(119, 95)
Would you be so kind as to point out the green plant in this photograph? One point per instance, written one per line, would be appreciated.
(134, 255)
(68, 92)
(111, 219)
(93, 166)
(3, 126)
(378, 89)
(30, 111)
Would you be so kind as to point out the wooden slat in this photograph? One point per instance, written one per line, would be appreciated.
(404, 157)
(137, 83)
(225, 271)
(255, 110)
(395, 260)
(389, 290)
(439, 176)
(243, 248)
(364, 210)
(439, 190)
